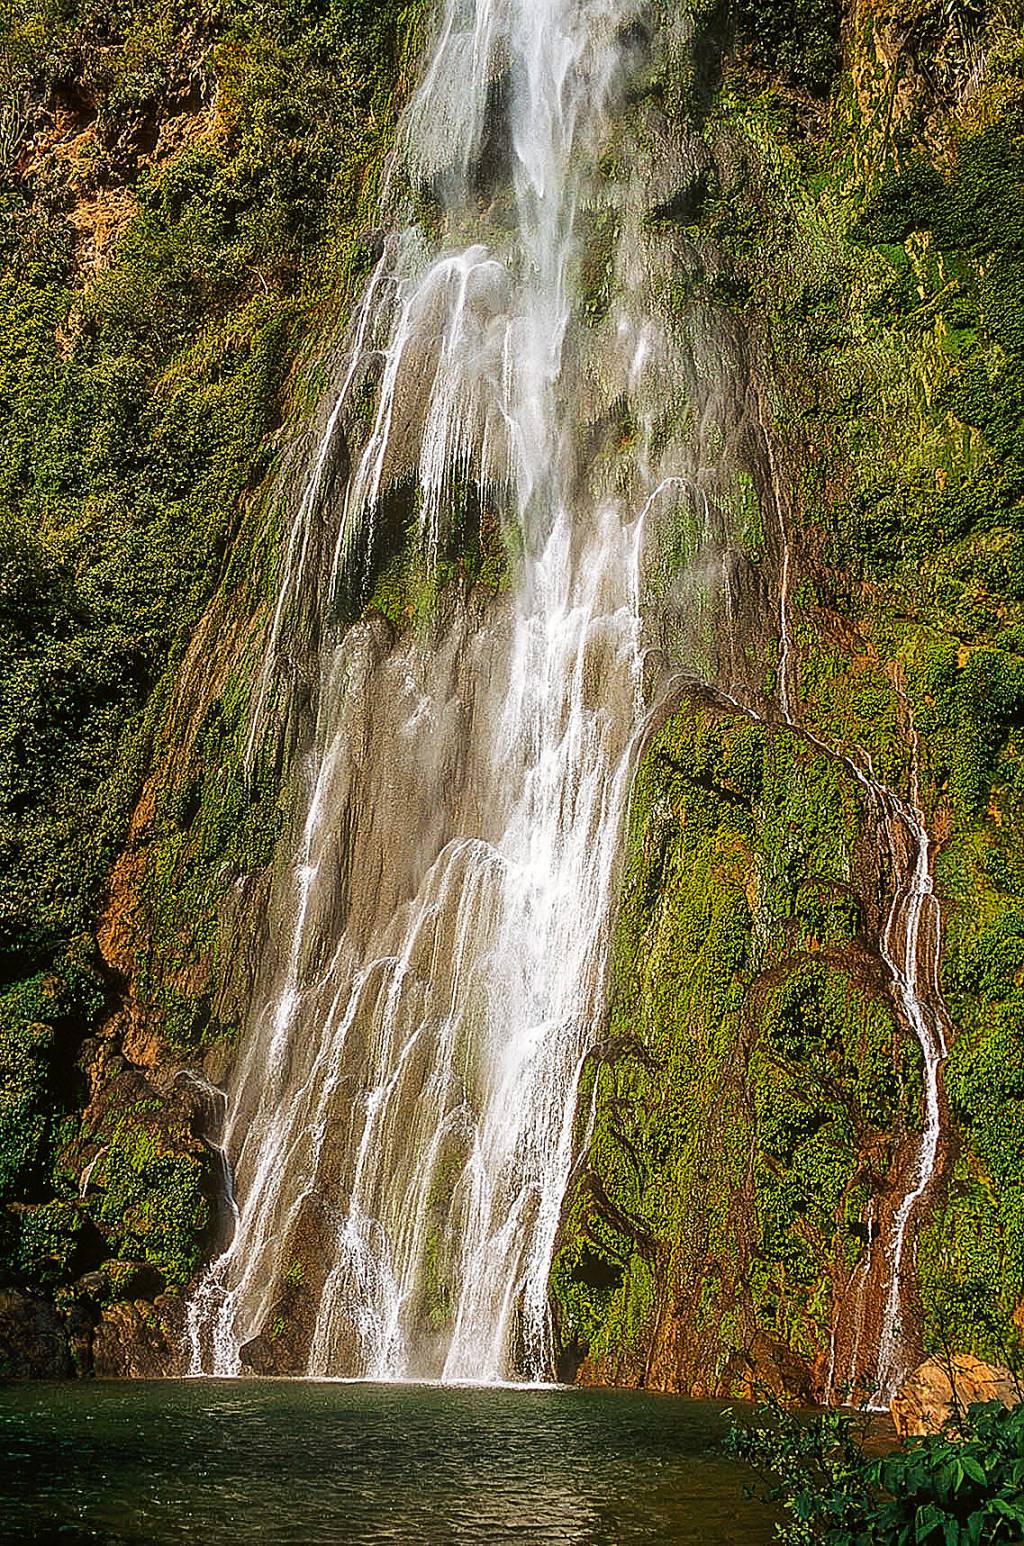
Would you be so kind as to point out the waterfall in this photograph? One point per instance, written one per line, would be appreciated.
(401, 1113)
(916, 985)
(910, 947)
(401, 1118)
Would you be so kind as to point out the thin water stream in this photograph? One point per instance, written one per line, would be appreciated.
(910, 946)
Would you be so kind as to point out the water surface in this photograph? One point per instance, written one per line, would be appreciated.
(272, 1461)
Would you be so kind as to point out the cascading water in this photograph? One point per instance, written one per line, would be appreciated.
(910, 947)
(407, 1100)
(400, 1119)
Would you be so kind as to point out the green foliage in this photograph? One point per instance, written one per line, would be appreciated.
(42, 1021)
(746, 1063)
(814, 1468)
(961, 1488)
(26, 1061)
(973, 273)
(150, 1201)
(49, 1243)
(192, 212)
(797, 39)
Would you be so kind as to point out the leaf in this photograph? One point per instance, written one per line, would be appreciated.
(975, 1470)
(975, 1525)
(928, 1519)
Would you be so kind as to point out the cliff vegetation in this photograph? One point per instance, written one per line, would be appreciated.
(188, 198)
(185, 192)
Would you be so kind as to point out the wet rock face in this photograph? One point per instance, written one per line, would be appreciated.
(936, 1389)
(134, 1339)
(140, 1340)
(701, 1176)
(34, 1341)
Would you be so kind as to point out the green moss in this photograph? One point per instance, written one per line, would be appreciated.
(477, 547)
(148, 1197)
(139, 400)
(599, 240)
(438, 1303)
(747, 1059)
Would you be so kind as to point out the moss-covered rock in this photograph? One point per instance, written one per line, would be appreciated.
(184, 198)
(754, 1081)
(759, 1077)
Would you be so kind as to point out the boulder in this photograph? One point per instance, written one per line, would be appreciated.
(931, 1395)
(33, 1343)
(141, 1340)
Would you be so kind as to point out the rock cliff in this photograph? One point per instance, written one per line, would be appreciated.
(822, 873)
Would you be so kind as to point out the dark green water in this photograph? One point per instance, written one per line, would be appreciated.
(289, 1461)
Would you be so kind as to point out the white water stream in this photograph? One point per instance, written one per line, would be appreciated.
(412, 1087)
(910, 946)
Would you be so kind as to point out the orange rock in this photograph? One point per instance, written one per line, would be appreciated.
(926, 1402)
(141, 1340)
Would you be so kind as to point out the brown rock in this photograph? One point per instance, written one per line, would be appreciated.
(926, 1402)
(33, 1343)
(140, 1340)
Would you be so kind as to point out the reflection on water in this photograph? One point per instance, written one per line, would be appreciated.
(316, 1463)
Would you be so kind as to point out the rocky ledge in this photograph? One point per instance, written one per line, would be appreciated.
(940, 1389)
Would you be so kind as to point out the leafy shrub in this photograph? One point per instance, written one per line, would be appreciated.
(50, 1247)
(42, 1021)
(796, 38)
(963, 1487)
(152, 1204)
